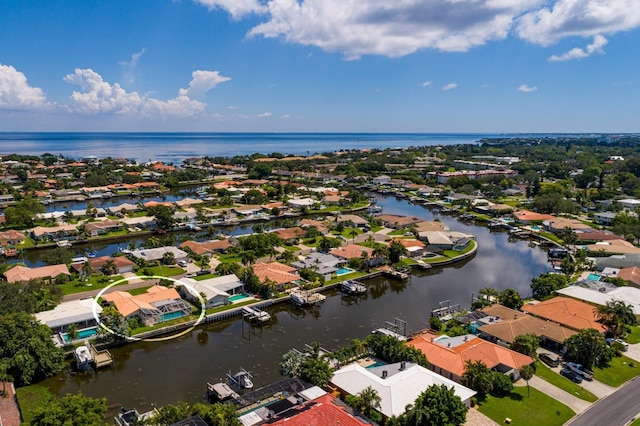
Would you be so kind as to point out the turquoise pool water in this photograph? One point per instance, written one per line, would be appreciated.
(172, 315)
(377, 364)
(344, 271)
(83, 334)
(237, 297)
(535, 227)
(593, 277)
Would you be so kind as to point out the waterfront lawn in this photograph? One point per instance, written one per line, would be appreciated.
(634, 335)
(620, 370)
(95, 282)
(537, 409)
(563, 383)
(32, 397)
(454, 253)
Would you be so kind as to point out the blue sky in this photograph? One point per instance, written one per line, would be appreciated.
(320, 65)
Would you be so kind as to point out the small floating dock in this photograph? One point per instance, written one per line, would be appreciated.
(423, 265)
(353, 287)
(307, 298)
(393, 329)
(395, 273)
(256, 315)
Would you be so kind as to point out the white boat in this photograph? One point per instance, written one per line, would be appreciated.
(241, 380)
(298, 299)
(83, 357)
(353, 287)
(63, 243)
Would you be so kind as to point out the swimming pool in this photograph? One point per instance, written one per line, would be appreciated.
(593, 277)
(82, 334)
(376, 364)
(237, 297)
(344, 271)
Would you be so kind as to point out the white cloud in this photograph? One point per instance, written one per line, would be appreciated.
(356, 27)
(202, 82)
(232, 107)
(583, 18)
(449, 86)
(286, 116)
(15, 91)
(129, 67)
(264, 115)
(527, 89)
(577, 53)
(236, 8)
(100, 97)
(426, 84)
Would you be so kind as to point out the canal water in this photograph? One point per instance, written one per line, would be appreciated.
(162, 373)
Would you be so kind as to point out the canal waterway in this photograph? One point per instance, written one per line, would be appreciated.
(161, 373)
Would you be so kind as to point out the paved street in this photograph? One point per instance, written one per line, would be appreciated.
(617, 409)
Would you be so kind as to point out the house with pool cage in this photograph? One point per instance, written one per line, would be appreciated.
(157, 305)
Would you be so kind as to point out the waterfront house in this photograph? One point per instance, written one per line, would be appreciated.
(122, 264)
(299, 203)
(398, 385)
(559, 224)
(353, 220)
(434, 225)
(439, 241)
(157, 305)
(208, 247)
(95, 229)
(290, 235)
(215, 291)
(415, 248)
(351, 251)
(526, 217)
(123, 208)
(324, 264)
(155, 254)
(610, 247)
(83, 314)
(398, 222)
(502, 325)
(22, 273)
(567, 312)
(602, 292)
(54, 233)
(11, 238)
(448, 355)
(276, 273)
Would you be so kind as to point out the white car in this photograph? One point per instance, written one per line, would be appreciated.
(182, 263)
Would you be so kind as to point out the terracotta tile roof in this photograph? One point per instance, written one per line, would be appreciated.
(513, 323)
(290, 233)
(322, 411)
(276, 272)
(614, 247)
(597, 236)
(527, 216)
(119, 261)
(12, 234)
(569, 312)
(206, 247)
(128, 304)
(399, 220)
(630, 274)
(22, 273)
(350, 251)
(453, 359)
(158, 203)
(410, 243)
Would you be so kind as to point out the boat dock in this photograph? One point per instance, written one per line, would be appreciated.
(395, 273)
(392, 329)
(306, 298)
(353, 287)
(255, 315)
(101, 358)
(423, 265)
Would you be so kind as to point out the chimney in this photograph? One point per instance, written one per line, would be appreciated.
(384, 374)
(403, 365)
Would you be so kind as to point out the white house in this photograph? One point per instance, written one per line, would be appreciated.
(216, 291)
(397, 385)
(77, 312)
(629, 203)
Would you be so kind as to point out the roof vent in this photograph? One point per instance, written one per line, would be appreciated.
(384, 374)
(403, 365)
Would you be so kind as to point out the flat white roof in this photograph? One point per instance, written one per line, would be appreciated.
(69, 313)
(628, 295)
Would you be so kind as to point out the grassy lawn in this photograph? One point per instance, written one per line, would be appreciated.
(30, 397)
(230, 258)
(563, 383)
(95, 282)
(538, 409)
(140, 290)
(620, 370)
(162, 271)
(204, 276)
(634, 336)
(636, 422)
(454, 253)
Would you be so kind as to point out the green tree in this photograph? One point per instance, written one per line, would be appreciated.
(367, 401)
(588, 348)
(291, 364)
(526, 372)
(510, 298)
(116, 325)
(57, 256)
(502, 384)
(396, 250)
(110, 267)
(616, 314)
(163, 216)
(525, 344)
(71, 410)
(545, 285)
(436, 406)
(316, 371)
(477, 376)
(28, 349)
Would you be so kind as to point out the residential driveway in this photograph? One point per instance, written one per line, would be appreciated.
(384, 231)
(633, 352)
(597, 388)
(573, 402)
(476, 418)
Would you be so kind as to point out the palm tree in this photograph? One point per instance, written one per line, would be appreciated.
(67, 216)
(488, 294)
(379, 251)
(366, 401)
(353, 233)
(248, 257)
(110, 267)
(152, 242)
(526, 372)
(396, 250)
(87, 270)
(615, 315)
(358, 347)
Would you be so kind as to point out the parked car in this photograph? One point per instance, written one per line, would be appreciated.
(182, 263)
(624, 346)
(571, 375)
(550, 360)
(580, 370)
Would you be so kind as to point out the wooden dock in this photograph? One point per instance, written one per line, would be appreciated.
(255, 314)
(101, 358)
